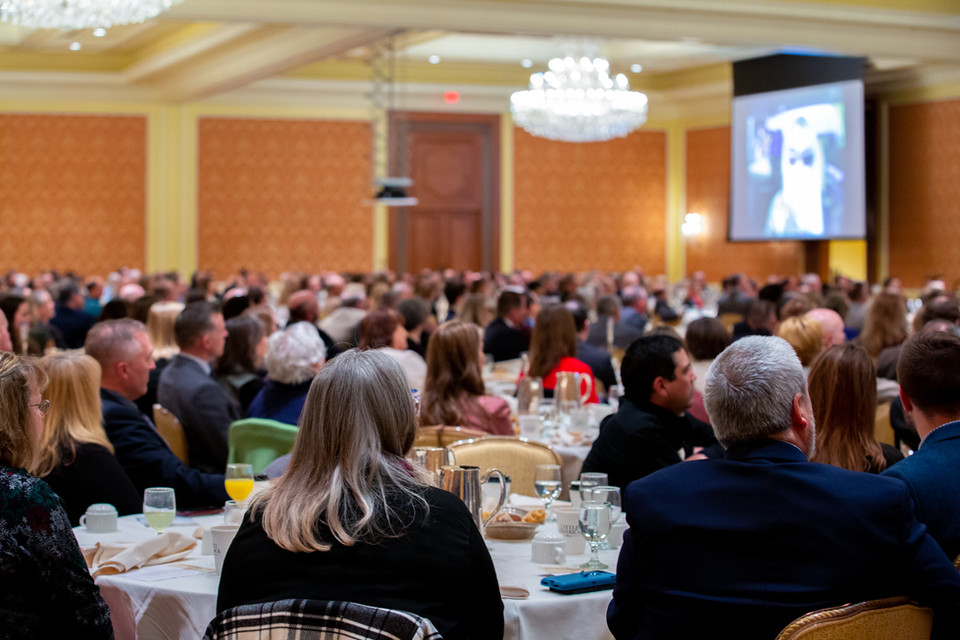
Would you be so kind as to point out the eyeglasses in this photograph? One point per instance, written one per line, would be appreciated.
(43, 406)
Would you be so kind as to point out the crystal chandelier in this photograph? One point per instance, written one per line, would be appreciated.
(80, 14)
(578, 101)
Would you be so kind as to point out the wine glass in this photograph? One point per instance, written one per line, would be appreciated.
(594, 525)
(610, 496)
(592, 479)
(238, 481)
(547, 483)
(159, 507)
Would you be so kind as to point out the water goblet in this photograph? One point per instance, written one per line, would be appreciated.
(547, 484)
(610, 496)
(159, 507)
(595, 524)
(592, 479)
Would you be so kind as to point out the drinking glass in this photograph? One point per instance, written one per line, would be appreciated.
(610, 496)
(595, 524)
(547, 483)
(529, 395)
(590, 480)
(159, 507)
(239, 481)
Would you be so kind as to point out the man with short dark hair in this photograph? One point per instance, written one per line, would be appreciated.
(740, 547)
(70, 318)
(608, 313)
(760, 320)
(126, 358)
(929, 379)
(652, 422)
(504, 338)
(186, 389)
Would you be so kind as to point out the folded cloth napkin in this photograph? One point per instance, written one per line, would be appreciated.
(113, 558)
(511, 589)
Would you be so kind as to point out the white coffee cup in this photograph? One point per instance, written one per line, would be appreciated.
(233, 511)
(549, 551)
(568, 523)
(223, 535)
(531, 427)
(100, 518)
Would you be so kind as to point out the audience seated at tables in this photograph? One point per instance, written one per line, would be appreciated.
(47, 589)
(634, 311)
(597, 358)
(239, 368)
(351, 520)
(125, 355)
(294, 356)
(652, 422)
(736, 295)
(843, 392)
(944, 308)
(187, 390)
(740, 547)
(608, 308)
(930, 389)
(505, 337)
(75, 456)
(382, 329)
(553, 347)
(454, 392)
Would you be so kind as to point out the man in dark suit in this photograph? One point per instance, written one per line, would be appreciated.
(504, 338)
(741, 546)
(186, 389)
(70, 318)
(125, 355)
(930, 390)
(598, 359)
(608, 308)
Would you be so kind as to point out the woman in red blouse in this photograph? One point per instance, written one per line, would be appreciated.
(553, 346)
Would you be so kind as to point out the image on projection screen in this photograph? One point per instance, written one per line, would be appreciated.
(798, 164)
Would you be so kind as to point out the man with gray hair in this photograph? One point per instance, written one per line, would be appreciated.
(741, 546)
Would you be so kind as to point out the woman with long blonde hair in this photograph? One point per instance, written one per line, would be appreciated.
(352, 520)
(843, 393)
(75, 457)
(453, 393)
(47, 589)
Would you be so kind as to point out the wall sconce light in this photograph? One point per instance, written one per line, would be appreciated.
(692, 224)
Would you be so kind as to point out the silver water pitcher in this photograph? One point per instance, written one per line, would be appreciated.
(433, 459)
(465, 482)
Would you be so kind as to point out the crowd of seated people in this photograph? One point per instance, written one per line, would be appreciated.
(228, 351)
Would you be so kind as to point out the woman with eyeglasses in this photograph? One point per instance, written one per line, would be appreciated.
(47, 589)
(75, 457)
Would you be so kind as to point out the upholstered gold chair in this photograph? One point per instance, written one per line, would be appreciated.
(882, 430)
(897, 617)
(171, 430)
(441, 435)
(730, 319)
(515, 457)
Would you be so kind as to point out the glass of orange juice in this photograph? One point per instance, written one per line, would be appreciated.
(239, 481)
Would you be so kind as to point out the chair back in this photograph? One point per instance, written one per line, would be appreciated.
(441, 436)
(515, 457)
(319, 620)
(172, 432)
(258, 441)
(897, 617)
(730, 319)
(882, 430)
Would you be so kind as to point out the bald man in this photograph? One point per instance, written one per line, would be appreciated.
(832, 325)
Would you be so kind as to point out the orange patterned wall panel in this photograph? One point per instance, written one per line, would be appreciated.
(281, 195)
(72, 192)
(708, 193)
(925, 192)
(598, 205)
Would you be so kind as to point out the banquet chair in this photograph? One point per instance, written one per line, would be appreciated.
(897, 617)
(516, 457)
(441, 435)
(730, 319)
(318, 620)
(882, 430)
(259, 441)
(171, 431)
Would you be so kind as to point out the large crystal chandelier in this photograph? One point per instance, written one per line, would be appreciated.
(80, 14)
(578, 101)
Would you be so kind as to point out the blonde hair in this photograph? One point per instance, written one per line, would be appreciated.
(805, 335)
(18, 376)
(347, 470)
(74, 416)
(160, 322)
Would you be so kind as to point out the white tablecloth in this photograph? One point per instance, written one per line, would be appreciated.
(179, 600)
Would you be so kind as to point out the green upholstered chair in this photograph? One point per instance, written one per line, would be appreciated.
(259, 442)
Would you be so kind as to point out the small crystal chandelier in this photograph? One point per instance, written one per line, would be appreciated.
(71, 15)
(578, 101)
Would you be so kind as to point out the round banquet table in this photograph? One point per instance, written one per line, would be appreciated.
(178, 600)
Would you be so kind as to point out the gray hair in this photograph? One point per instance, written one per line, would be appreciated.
(750, 388)
(608, 306)
(294, 352)
(114, 341)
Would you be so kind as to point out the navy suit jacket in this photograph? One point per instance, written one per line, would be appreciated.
(503, 341)
(203, 407)
(933, 476)
(741, 546)
(149, 462)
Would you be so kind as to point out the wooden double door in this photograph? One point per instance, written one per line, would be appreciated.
(454, 161)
